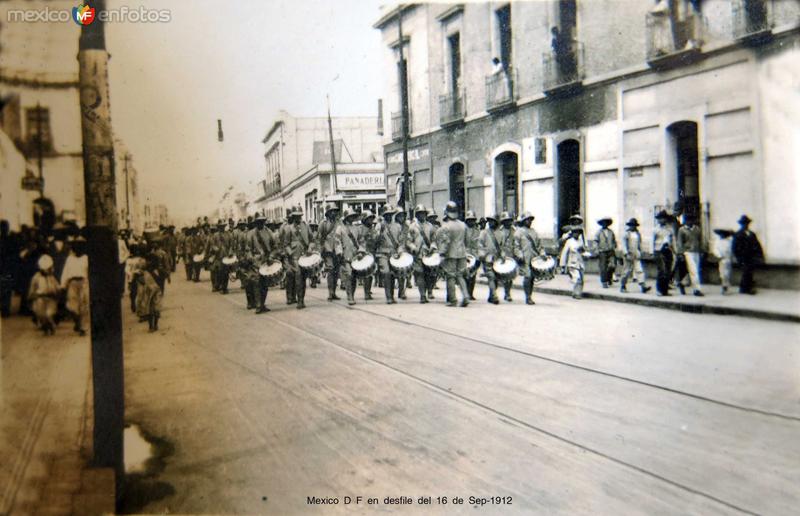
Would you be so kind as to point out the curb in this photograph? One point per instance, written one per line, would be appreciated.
(694, 308)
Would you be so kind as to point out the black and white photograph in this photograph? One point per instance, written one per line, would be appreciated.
(333, 257)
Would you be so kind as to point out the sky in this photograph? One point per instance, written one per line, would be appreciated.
(240, 62)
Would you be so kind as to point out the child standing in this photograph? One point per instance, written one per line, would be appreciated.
(572, 258)
(723, 250)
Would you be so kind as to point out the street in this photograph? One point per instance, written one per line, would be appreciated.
(565, 407)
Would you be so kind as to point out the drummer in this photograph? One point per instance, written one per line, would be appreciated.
(369, 234)
(421, 244)
(453, 239)
(473, 233)
(432, 276)
(349, 246)
(504, 235)
(247, 269)
(263, 251)
(488, 250)
(528, 246)
(296, 242)
(327, 242)
(388, 245)
(313, 281)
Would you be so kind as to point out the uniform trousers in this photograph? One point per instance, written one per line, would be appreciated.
(454, 271)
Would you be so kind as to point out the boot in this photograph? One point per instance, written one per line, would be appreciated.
(368, 288)
(623, 287)
(388, 289)
(156, 316)
(401, 288)
(645, 288)
(422, 298)
(151, 323)
(528, 288)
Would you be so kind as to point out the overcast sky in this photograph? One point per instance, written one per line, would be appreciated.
(240, 62)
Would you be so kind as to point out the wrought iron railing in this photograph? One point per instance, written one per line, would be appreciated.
(452, 108)
(562, 68)
(750, 17)
(667, 35)
(500, 89)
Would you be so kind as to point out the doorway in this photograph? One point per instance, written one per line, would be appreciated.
(683, 143)
(457, 193)
(568, 181)
(507, 176)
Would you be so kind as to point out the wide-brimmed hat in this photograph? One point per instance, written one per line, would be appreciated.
(632, 223)
(525, 215)
(45, 262)
(490, 217)
(432, 215)
(420, 209)
(331, 207)
(605, 221)
(662, 215)
(367, 214)
(504, 216)
(470, 216)
(744, 219)
(576, 227)
(577, 216)
(259, 217)
(398, 212)
(349, 214)
(388, 210)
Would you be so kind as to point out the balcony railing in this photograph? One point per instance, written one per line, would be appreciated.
(563, 71)
(452, 108)
(500, 89)
(397, 125)
(670, 40)
(751, 19)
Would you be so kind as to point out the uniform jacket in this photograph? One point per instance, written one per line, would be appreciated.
(370, 237)
(349, 241)
(528, 244)
(326, 236)
(421, 238)
(296, 240)
(452, 238)
(393, 238)
(262, 244)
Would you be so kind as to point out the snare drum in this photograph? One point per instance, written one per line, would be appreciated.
(432, 262)
(272, 273)
(402, 265)
(505, 269)
(229, 260)
(199, 258)
(473, 264)
(544, 268)
(310, 263)
(364, 267)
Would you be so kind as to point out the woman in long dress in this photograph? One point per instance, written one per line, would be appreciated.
(43, 295)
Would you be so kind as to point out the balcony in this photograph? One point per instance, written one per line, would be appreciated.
(452, 109)
(500, 90)
(673, 42)
(397, 125)
(752, 21)
(563, 72)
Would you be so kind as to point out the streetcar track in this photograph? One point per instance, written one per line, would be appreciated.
(501, 415)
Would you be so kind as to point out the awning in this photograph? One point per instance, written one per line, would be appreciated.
(356, 197)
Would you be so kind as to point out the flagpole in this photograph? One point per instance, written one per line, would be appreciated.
(333, 153)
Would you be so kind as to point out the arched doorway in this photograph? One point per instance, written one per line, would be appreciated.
(682, 147)
(568, 181)
(507, 179)
(457, 192)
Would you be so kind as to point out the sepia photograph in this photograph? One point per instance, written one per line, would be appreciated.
(332, 257)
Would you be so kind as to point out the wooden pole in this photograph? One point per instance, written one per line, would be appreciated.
(101, 225)
(404, 110)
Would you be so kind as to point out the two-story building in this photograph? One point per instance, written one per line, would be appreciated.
(299, 168)
(602, 107)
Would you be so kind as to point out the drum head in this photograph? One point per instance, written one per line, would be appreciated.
(364, 263)
(432, 261)
(309, 261)
(506, 266)
(198, 258)
(403, 261)
(229, 260)
(272, 269)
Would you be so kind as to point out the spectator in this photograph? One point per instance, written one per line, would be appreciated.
(690, 245)
(75, 281)
(723, 250)
(43, 295)
(748, 252)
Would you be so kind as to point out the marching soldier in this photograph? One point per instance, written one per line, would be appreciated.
(296, 241)
(453, 247)
(399, 228)
(473, 234)
(387, 246)
(327, 242)
(431, 277)
(314, 280)
(369, 234)
(263, 249)
(211, 252)
(226, 239)
(421, 244)
(185, 247)
(504, 237)
(349, 247)
(488, 250)
(528, 246)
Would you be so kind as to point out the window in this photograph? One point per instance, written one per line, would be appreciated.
(38, 136)
(503, 16)
(454, 51)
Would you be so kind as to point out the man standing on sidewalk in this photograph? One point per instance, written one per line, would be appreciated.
(663, 244)
(606, 250)
(748, 252)
(632, 250)
(690, 243)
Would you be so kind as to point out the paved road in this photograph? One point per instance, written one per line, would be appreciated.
(566, 407)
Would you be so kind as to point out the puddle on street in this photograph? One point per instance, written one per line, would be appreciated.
(137, 450)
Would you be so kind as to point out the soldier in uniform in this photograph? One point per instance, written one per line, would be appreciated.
(263, 249)
(296, 241)
(369, 234)
(488, 250)
(313, 281)
(473, 234)
(421, 243)
(349, 246)
(528, 246)
(226, 248)
(399, 229)
(452, 239)
(327, 242)
(185, 247)
(210, 251)
(171, 244)
(388, 245)
(431, 277)
(504, 235)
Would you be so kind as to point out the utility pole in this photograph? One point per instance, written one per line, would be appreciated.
(40, 149)
(404, 108)
(101, 225)
(333, 153)
(127, 197)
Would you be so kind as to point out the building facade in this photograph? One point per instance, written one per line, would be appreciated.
(299, 169)
(603, 107)
(129, 206)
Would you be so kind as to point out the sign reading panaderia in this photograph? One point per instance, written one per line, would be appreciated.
(354, 181)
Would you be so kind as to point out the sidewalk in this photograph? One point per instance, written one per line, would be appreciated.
(45, 422)
(778, 305)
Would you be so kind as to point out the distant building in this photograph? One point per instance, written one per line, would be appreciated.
(299, 169)
(155, 215)
(127, 189)
(607, 108)
(15, 202)
(232, 205)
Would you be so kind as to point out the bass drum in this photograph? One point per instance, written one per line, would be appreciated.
(505, 270)
(473, 264)
(364, 267)
(402, 264)
(544, 268)
(272, 273)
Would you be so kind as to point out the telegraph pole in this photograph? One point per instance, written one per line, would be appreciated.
(333, 153)
(40, 149)
(101, 225)
(127, 197)
(404, 109)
